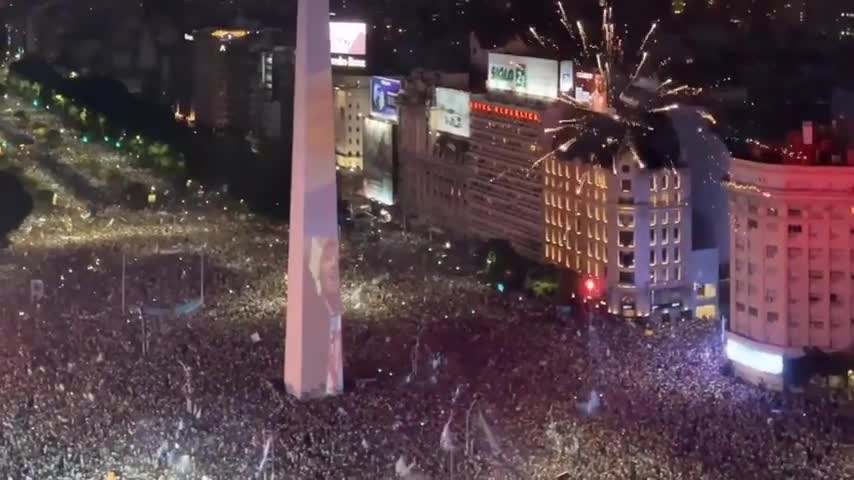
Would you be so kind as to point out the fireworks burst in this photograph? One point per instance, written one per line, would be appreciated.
(625, 93)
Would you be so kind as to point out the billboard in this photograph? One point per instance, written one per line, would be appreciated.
(591, 90)
(348, 44)
(378, 157)
(566, 85)
(536, 77)
(452, 113)
(384, 92)
(348, 38)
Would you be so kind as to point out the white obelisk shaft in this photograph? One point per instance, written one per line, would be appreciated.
(313, 353)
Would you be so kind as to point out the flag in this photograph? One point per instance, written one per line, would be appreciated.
(401, 468)
(446, 441)
(490, 437)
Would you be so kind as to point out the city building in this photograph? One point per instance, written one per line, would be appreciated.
(434, 163)
(509, 138)
(506, 191)
(271, 94)
(619, 214)
(792, 252)
(352, 104)
(225, 66)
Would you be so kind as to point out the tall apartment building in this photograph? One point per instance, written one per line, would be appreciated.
(792, 256)
(271, 92)
(352, 98)
(225, 66)
(622, 217)
(508, 138)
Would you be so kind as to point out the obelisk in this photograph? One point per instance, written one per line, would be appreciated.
(313, 354)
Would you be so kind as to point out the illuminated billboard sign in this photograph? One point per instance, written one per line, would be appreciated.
(452, 113)
(756, 359)
(378, 144)
(348, 38)
(508, 112)
(348, 44)
(591, 90)
(567, 78)
(536, 77)
(384, 92)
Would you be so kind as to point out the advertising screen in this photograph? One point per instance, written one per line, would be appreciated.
(348, 38)
(536, 77)
(567, 78)
(591, 90)
(348, 44)
(452, 113)
(384, 92)
(378, 144)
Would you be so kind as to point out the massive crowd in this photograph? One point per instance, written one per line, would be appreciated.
(428, 350)
(445, 376)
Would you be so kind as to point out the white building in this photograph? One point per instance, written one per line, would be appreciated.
(624, 222)
(352, 98)
(792, 262)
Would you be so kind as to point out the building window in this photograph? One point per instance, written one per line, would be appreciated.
(677, 274)
(665, 218)
(752, 224)
(773, 317)
(739, 307)
(626, 185)
(795, 212)
(676, 255)
(772, 212)
(626, 220)
(653, 183)
(676, 235)
(627, 278)
(795, 229)
(626, 168)
(652, 257)
(663, 236)
(771, 251)
(664, 255)
(627, 239)
(627, 259)
(652, 236)
(753, 311)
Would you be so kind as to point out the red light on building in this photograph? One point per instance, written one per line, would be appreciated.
(590, 285)
(505, 111)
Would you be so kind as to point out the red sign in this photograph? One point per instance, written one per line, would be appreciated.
(508, 112)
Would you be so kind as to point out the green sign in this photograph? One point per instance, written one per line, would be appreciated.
(516, 74)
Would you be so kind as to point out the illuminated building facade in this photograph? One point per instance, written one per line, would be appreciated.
(792, 261)
(352, 104)
(626, 225)
(506, 190)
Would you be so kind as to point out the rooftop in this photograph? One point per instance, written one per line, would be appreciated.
(812, 145)
(603, 139)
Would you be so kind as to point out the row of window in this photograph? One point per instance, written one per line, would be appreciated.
(657, 276)
(774, 317)
(794, 212)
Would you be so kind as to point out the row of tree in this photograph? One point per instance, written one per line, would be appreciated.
(102, 110)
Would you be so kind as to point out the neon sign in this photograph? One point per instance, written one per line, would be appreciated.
(505, 112)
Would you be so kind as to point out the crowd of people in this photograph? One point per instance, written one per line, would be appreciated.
(445, 376)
